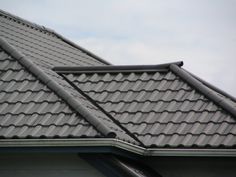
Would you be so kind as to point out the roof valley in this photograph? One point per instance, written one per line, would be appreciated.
(83, 96)
(57, 89)
(159, 107)
(105, 112)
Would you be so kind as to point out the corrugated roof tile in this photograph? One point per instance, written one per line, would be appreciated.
(158, 107)
(29, 108)
(46, 49)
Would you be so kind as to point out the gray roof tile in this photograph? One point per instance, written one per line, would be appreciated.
(157, 106)
(28, 108)
(46, 49)
(160, 108)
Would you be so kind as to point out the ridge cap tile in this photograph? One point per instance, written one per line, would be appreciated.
(205, 90)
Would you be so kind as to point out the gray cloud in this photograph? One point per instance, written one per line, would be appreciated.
(202, 33)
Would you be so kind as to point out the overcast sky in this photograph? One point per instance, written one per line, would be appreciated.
(202, 33)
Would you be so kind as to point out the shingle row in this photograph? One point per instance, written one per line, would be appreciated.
(122, 77)
(138, 86)
(51, 131)
(143, 96)
(190, 141)
(175, 117)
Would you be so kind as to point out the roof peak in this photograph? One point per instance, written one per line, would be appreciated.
(26, 22)
(49, 31)
(116, 68)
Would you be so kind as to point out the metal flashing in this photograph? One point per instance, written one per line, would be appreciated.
(57, 89)
(203, 89)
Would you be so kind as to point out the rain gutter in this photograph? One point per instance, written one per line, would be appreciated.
(111, 142)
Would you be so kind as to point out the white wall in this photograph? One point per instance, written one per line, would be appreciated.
(46, 165)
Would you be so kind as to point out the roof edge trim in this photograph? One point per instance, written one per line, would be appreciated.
(56, 88)
(105, 112)
(212, 86)
(203, 89)
(81, 48)
(111, 142)
(26, 22)
(115, 68)
(48, 30)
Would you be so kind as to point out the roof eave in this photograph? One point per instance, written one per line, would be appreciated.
(75, 142)
(111, 142)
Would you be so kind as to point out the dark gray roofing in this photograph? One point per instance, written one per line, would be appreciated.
(29, 109)
(162, 108)
(155, 105)
(45, 49)
(20, 75)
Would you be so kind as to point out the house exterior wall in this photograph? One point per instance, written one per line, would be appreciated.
(46, 165)
(193, 166)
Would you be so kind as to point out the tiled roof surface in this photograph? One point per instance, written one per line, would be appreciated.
(29, 109)
(154, 106)
(158, 107)
(47, 49)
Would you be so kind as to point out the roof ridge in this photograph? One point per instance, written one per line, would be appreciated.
(212, 86)
(52, 32)
(116, 68)
(198, 85)
(26, 22)
(80, 109)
